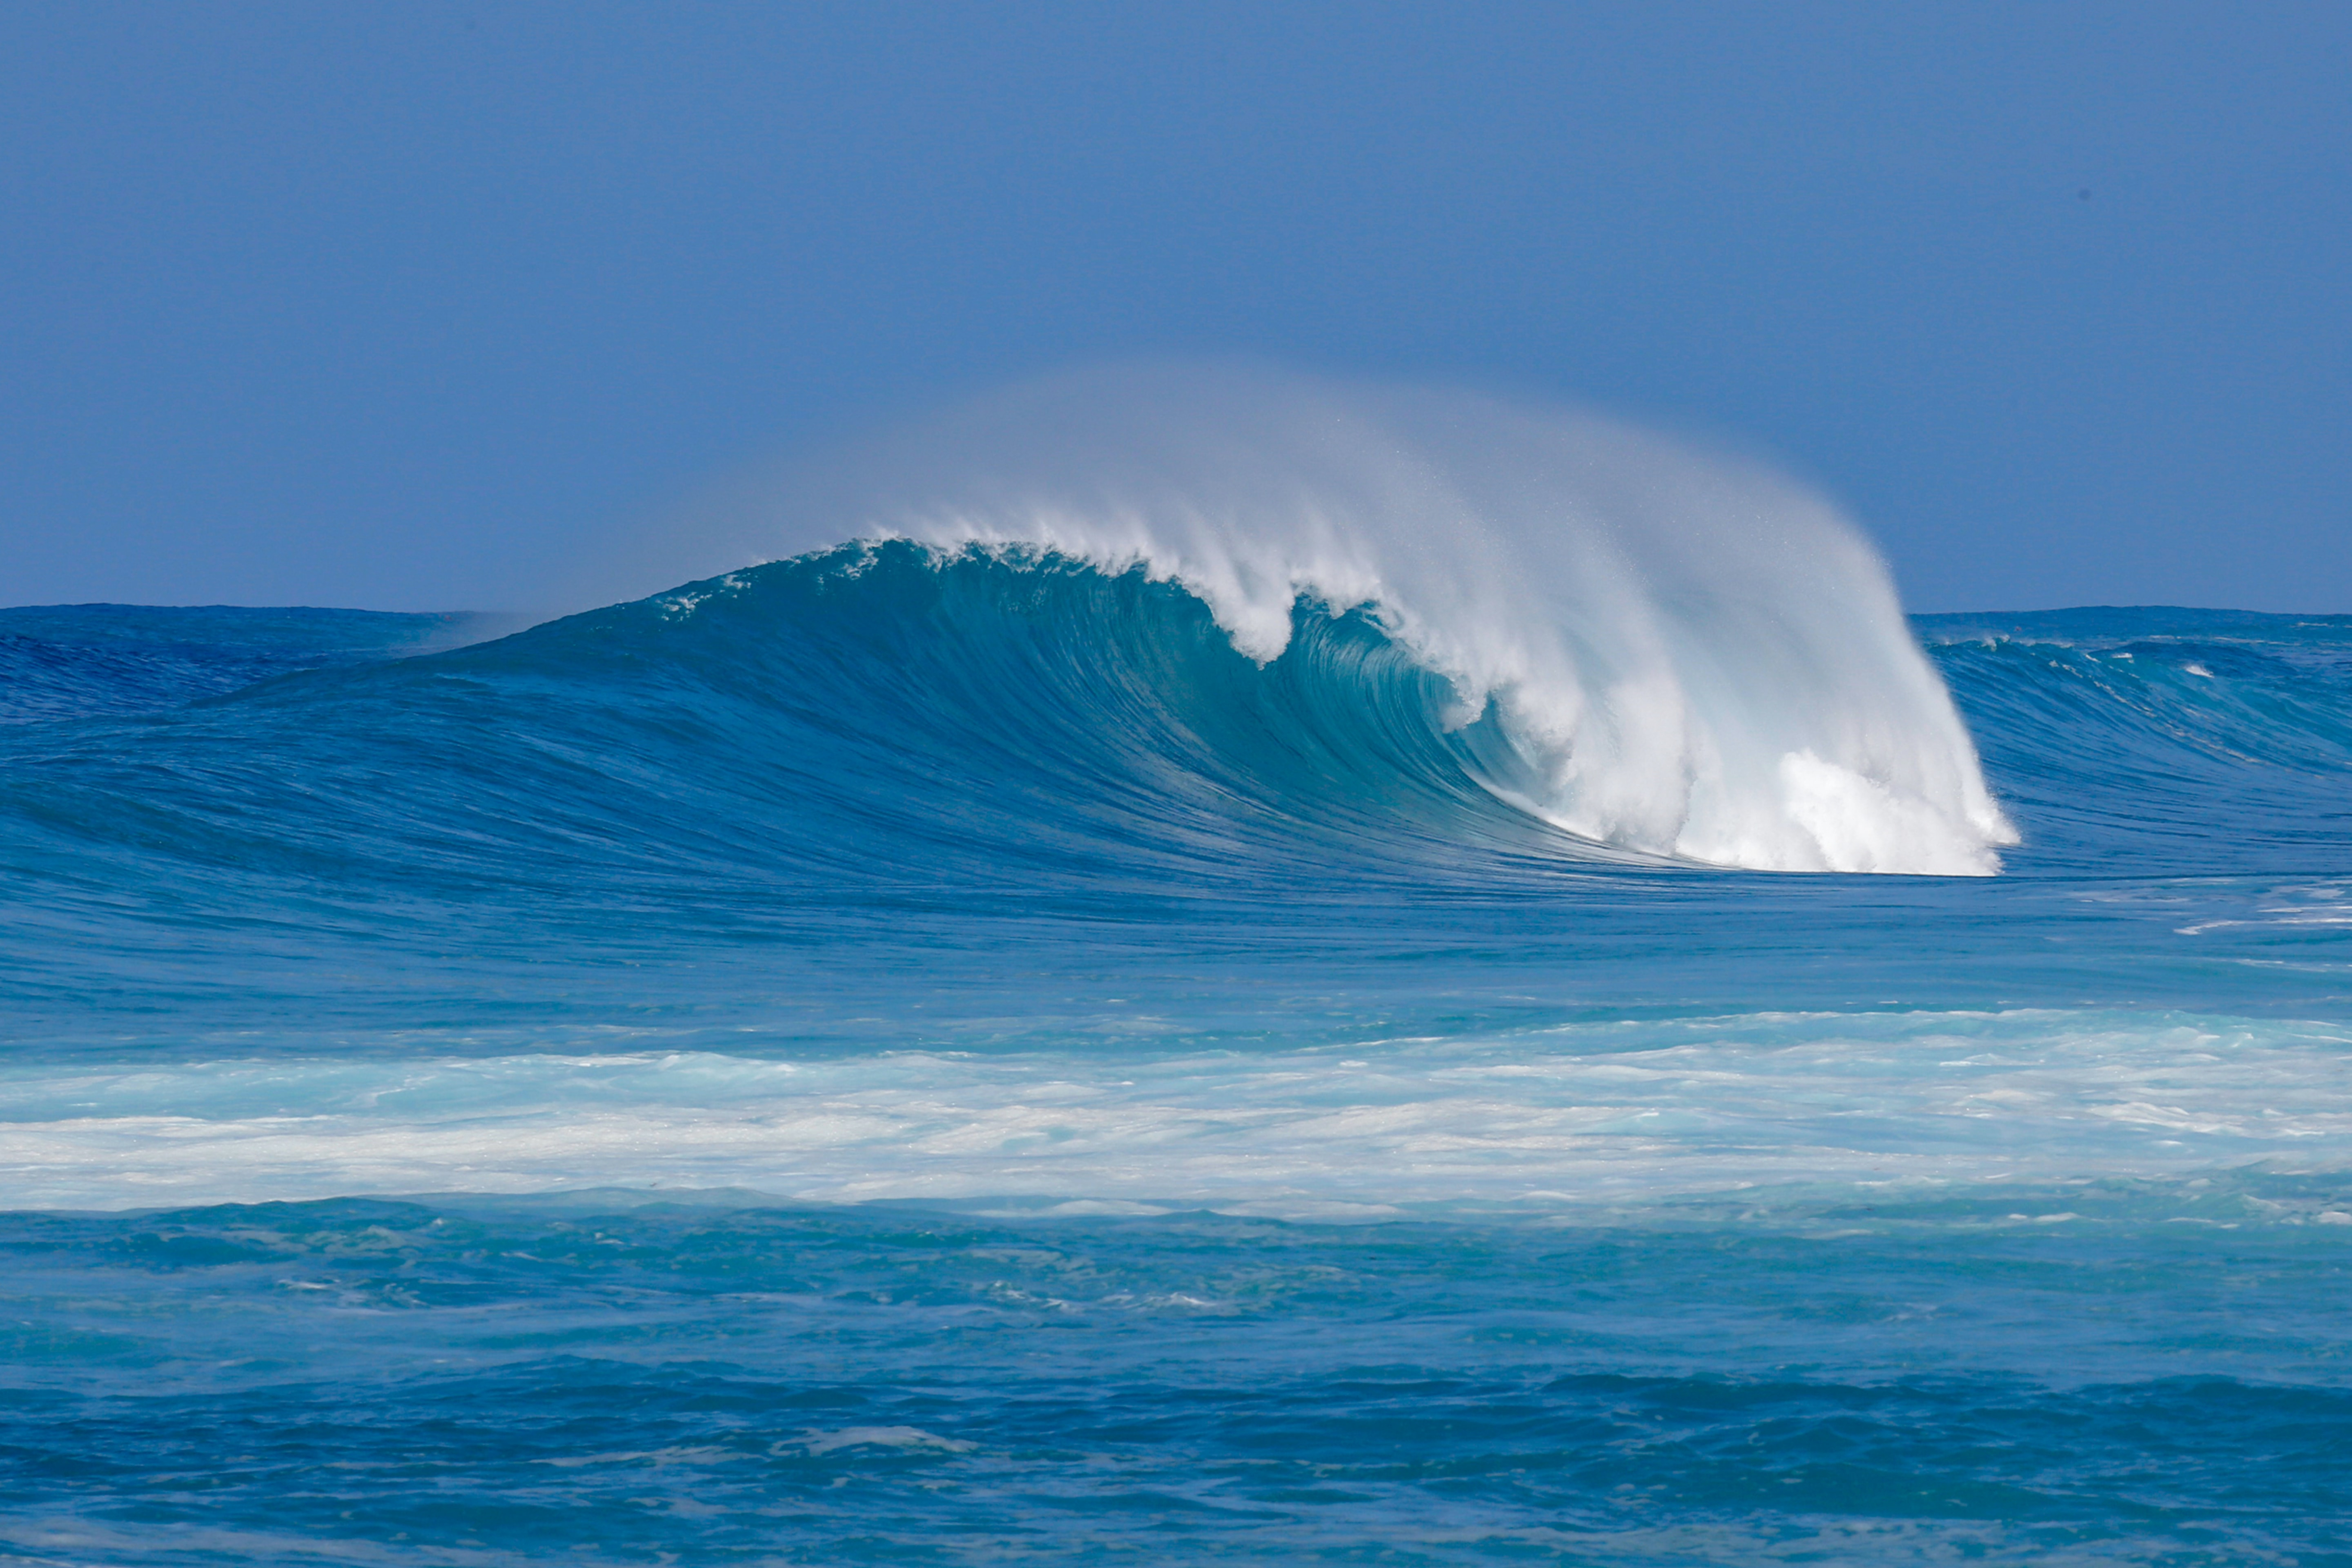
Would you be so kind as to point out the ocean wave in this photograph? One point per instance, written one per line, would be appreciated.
(1694, 657)
(904, 716)
(1245, 637)
(887, 713)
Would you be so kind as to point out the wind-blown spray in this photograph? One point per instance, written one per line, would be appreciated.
(1695, 657)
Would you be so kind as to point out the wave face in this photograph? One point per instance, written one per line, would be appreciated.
(874, 716)
(896, 713)
(1689, 656)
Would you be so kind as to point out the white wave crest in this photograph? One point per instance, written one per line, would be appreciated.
(1583, 1112)
(1699, 657)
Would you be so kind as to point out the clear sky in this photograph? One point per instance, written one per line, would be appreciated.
(407, 305)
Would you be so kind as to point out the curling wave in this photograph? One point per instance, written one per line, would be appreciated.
(905, 714)
(1690, 656)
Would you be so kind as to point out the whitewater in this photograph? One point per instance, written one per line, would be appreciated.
(1187, 965)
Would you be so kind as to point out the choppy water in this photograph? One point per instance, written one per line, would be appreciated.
(917, 1056)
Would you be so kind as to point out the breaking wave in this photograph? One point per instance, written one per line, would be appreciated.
(1684, 656)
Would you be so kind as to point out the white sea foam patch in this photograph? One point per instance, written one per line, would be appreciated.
(1696, 656)
(1590, 1112)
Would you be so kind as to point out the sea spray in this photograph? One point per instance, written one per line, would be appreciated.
(1697, 656)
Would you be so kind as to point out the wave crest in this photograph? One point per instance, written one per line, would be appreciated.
(1695, 657)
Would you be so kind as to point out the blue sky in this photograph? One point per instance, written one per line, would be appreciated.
(408, 306)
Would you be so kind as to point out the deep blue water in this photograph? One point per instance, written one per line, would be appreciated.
(888, 1058)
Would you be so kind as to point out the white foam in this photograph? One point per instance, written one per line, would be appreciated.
(1700, 657)
(820, 1442)
(1597, 1111)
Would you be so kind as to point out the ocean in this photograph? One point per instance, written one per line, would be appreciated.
(969, 1048)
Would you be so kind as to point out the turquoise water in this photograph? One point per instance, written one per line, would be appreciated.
(906, 1055)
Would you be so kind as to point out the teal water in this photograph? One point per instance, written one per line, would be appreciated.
(904, 1055)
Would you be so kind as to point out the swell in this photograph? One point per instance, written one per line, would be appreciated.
(875, 717)
(61, 661)
(887, 717)
(2162, 740)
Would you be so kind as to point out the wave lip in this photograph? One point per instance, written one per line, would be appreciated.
(1696, 657)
